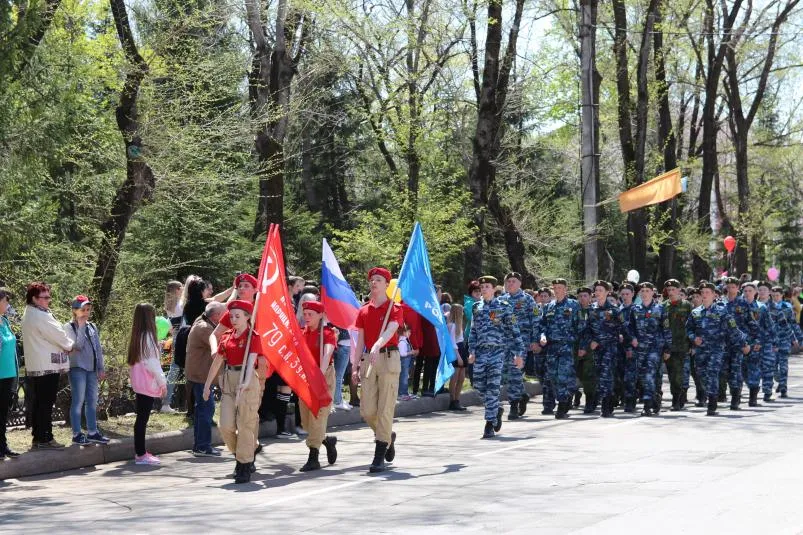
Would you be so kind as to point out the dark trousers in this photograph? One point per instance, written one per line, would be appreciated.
(43, 388)
(6, 394)
(144, 404)
(202, 418)
(429, 365)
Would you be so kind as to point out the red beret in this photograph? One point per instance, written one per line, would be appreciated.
(245, 306)
(315, 306)
(380, 271)
(245, 277)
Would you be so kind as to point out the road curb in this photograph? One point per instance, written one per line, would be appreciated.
(44, 462)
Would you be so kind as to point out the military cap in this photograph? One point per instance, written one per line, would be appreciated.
(765, 284)
(705, 284)
(604, 284)
(749, 283)
(673, 283)
(778, 289)
(560, 281)
(627, 286)
(584, 289)
(488, 279)
(646, 284)
(730, 280)
(691, 290)
(513, 275)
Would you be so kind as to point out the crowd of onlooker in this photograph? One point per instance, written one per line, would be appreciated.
(53, 348)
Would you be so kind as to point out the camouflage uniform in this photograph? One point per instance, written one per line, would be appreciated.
(493, 338)
(585, 366)
(605, 325)
(752, 366)
(787, 331)
(649, 325)
(715, 326)
(731, 371)
(527, 318)
(677, 313)
(560, 326)
(627, 368)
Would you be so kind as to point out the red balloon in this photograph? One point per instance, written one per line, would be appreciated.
(730, 243)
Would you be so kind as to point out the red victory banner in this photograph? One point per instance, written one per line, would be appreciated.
(280, 333)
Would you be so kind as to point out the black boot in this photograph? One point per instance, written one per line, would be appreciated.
(498, 423)
(700, 401)
(656, 404)
(595, 401)
(783, 394)
(768, 398)
(590, 405)
(712, 405)
(330, 443)
(312, 461)
(525, 399)
(514, 411)
(563, 410)
(736, 398)
(607, 407)
(675, 403)
(242, 473)
(647, 410)
(753, 402)
(547, 411)
(683, 399)
(489, 430)
(576, 399)
(378, 464)
(391, 453)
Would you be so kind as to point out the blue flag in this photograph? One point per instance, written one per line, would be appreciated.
(418, 291)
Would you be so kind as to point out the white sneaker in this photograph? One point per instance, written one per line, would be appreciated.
(333, 410)
(344, 406)
(167, 409)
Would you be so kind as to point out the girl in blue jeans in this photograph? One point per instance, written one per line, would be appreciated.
(406, 353)
(86, 367)
(341, 363)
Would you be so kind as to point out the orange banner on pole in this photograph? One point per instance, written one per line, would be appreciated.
(659, 189)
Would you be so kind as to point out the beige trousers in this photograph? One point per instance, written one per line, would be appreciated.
(238, 421)
(379, 392)
(316, 427)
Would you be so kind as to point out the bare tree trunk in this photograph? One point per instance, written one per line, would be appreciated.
(140, 182)
(668, 143)
(589, 165)
(487, 144)
(272, 70)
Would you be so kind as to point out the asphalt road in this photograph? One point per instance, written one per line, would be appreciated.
(739, 472)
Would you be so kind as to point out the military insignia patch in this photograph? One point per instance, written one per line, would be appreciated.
(732, 323)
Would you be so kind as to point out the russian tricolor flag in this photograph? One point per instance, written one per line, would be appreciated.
(339, 302)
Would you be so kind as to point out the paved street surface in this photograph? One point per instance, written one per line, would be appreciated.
(741, 472)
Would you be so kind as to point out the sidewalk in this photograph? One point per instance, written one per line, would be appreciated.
(44, 462)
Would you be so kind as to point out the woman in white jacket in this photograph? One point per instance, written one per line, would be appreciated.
(46, 347)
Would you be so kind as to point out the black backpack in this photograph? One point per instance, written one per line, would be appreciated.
(180, 345)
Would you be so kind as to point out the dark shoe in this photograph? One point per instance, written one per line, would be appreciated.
(699, 403)
(211, 452)
(712, 406)
(589, 408)
(675, 403)
(489, 430)
(656, 405)
(378, 464)
(523, 401)
(768, 398)
(576, 403)
(258, 448)
(783, 394)
(8, 452)
(312, 461)
(630, 406)
(454, 405)
(514, 411)
(547, 412)
(683, 399)
(647, 410)
(390, 454)
(753, 402)
(80, 440)
(97, 438)
(48, 445)
(355, 403)
(498, 424)
(736, 398)
(607, 407)
(330, 443)
(777, 388)
(563, 410)
(251, 467)
(242, 473)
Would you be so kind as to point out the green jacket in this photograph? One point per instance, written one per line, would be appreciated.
(677, 314)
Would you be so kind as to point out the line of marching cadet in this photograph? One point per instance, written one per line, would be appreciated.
(613, 340)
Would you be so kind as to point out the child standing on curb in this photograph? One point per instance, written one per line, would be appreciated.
(147, 379)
